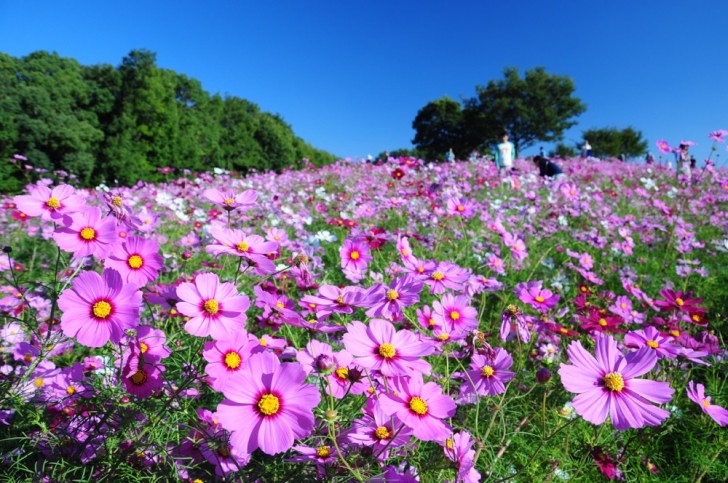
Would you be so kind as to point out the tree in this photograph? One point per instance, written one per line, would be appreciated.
(439, 127)
(537, 107)
(612, 142)
(564, 151)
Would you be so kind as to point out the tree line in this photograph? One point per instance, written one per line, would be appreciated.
(120, 124)
(538, 107)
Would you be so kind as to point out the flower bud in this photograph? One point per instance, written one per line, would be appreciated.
(543, 375)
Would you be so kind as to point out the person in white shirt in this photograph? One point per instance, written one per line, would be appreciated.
(505, 152)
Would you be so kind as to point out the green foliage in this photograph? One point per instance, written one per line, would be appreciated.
(439, 127)
(564, 151)
(613, 142)
(537, 107)
(118, 125)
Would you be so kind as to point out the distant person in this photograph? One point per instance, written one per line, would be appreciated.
(547, 168)
(623, 157)
(505, 153)
(540, 151)
(587, 149)
(682, 160)
(450, 156)
(650, 159)
(693, 162)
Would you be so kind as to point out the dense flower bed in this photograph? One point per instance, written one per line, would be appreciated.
(392, 322)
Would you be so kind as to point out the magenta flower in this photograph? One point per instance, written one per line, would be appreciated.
(388, 302)
(137, 260)
(381, 347)
(99, 308)
(50, 204)
(87, 233)
(650, 337)
(215, 308)
(229, 200)
(150, 342)
(268, 406)
(420, 406)
(447, 275)
(454, 311)
(355, 254)
(378, 431)
(697, 395)
(460, 207)
(142, 377)
(677, 300)
(540, 299)
(664, 146)
(459, 449)
(253, 248)
(488, 375)
(607, 385)
(719, 135)
(225, 358)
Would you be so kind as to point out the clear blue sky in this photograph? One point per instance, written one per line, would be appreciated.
(349, 76)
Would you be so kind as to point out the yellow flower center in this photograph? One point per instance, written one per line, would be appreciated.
(418, 406)
(342, 373)
(263, 342)
(323, 452)
(382, 433)
(28, 358)
(101, 309)
(461, 208)
(449, 443)
(387, 351)
(392, 294)
(211, 306)
(675, 333)
(653, 344)
(623, 305)
(38, 383)
(443, 337)
(242, 247)
(143, 347)
(679, 301)
(70, 390)
(487, 371)
(563, 330)
(706, 403)
(135, 262)
(405, 252)
(116, 201)
(603, 322)
(269, 404)
(432, 322)
(232, 360)
(539, 299)
(438, 276)
(614, 381)
(88, 233)
(454, 315)
(53, 203)
(229, 201)
(280, 305)
(139, 377)
(512, 309)
(354, 255)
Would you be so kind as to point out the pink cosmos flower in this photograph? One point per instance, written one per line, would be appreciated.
(231, 199)
(50, 204)
(650, 337)
(355, 254)
(388, 302)
(460, 207)
(540, 299)
(447, 275)
(719, 135)
(253, 248)
(677, 300)
(381, 347)
(454, 311)
(99, 308)
(346, 377)
(697, 395)
(378, 431)
(269, 405)
(459, 449)
(150, 342)
(225, 358)
(142, 377)
(332, 299)
(607, 385)
(215, 308)
(420, 406)
(488, 375)
(137, 260)
(87, 233)
(664, 146)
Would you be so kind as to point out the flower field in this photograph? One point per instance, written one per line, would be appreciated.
(398, 321)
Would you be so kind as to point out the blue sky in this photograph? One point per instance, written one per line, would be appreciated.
(349, 77)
